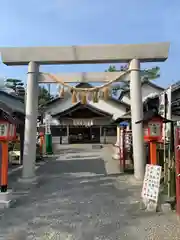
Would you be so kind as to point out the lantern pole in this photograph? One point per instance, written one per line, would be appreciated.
(5, 136)
(153, 152)
(7, 133)
(4, 166)
(169, 130)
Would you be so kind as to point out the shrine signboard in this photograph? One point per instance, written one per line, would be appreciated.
(83, 122)
(48, 120)
(151, 184)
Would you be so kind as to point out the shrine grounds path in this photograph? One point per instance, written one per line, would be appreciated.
(80, 196)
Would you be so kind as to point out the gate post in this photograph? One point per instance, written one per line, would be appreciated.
(116, 146)
(177, 160)
(29, 153)
(137, 116)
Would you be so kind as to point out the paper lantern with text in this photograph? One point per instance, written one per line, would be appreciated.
(153, 129)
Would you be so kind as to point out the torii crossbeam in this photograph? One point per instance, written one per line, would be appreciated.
(84, 77)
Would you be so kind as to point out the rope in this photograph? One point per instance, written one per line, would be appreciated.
(58, 80)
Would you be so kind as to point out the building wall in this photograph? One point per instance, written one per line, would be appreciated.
(146, 90)
(175, 95)
(175, 118)
(116, 109)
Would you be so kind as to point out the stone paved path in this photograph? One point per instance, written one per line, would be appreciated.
(76, 200)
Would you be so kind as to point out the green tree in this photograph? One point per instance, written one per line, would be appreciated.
(146, 75)
(16, 85)
(13, 83)
(112, 68)
(44, 96)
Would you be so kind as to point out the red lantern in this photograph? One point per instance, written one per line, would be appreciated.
(153, 129)
(152, 135)
(4, 131)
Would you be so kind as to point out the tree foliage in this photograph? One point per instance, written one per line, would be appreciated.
(18, 87)
(44, 96)
(146, 75)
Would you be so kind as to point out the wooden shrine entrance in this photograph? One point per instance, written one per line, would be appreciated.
(84, 134)
(81, 124)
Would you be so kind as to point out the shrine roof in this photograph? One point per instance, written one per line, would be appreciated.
(12, 102)
(149, 83)
(7, 113)
(109, 107)
(79, 105)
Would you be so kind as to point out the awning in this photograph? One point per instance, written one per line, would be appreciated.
(123, 124)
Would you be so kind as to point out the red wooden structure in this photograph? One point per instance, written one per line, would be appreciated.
(177, 159)
(7, 133)
(153, 135)
(122, 148)
(125, 144)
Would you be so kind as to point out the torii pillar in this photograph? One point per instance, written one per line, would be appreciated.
(137, 115)
(119, 53)
(29, 154)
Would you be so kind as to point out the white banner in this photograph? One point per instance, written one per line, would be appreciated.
(165, 105)
(48, 119)
(162, 105)
(169, 100)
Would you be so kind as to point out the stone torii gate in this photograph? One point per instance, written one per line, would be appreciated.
(36, 56)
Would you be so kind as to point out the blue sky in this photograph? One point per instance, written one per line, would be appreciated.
(75, 22)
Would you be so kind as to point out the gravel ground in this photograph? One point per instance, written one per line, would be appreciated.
(76, 200)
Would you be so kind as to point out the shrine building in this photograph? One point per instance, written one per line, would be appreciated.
(85, 123)
(91, 122)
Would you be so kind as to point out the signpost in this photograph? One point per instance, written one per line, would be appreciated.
(165, 101)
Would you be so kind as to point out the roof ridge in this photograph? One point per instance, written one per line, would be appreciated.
(10, 95)
(142, 83)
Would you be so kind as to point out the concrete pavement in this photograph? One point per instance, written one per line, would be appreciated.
(75, 198)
